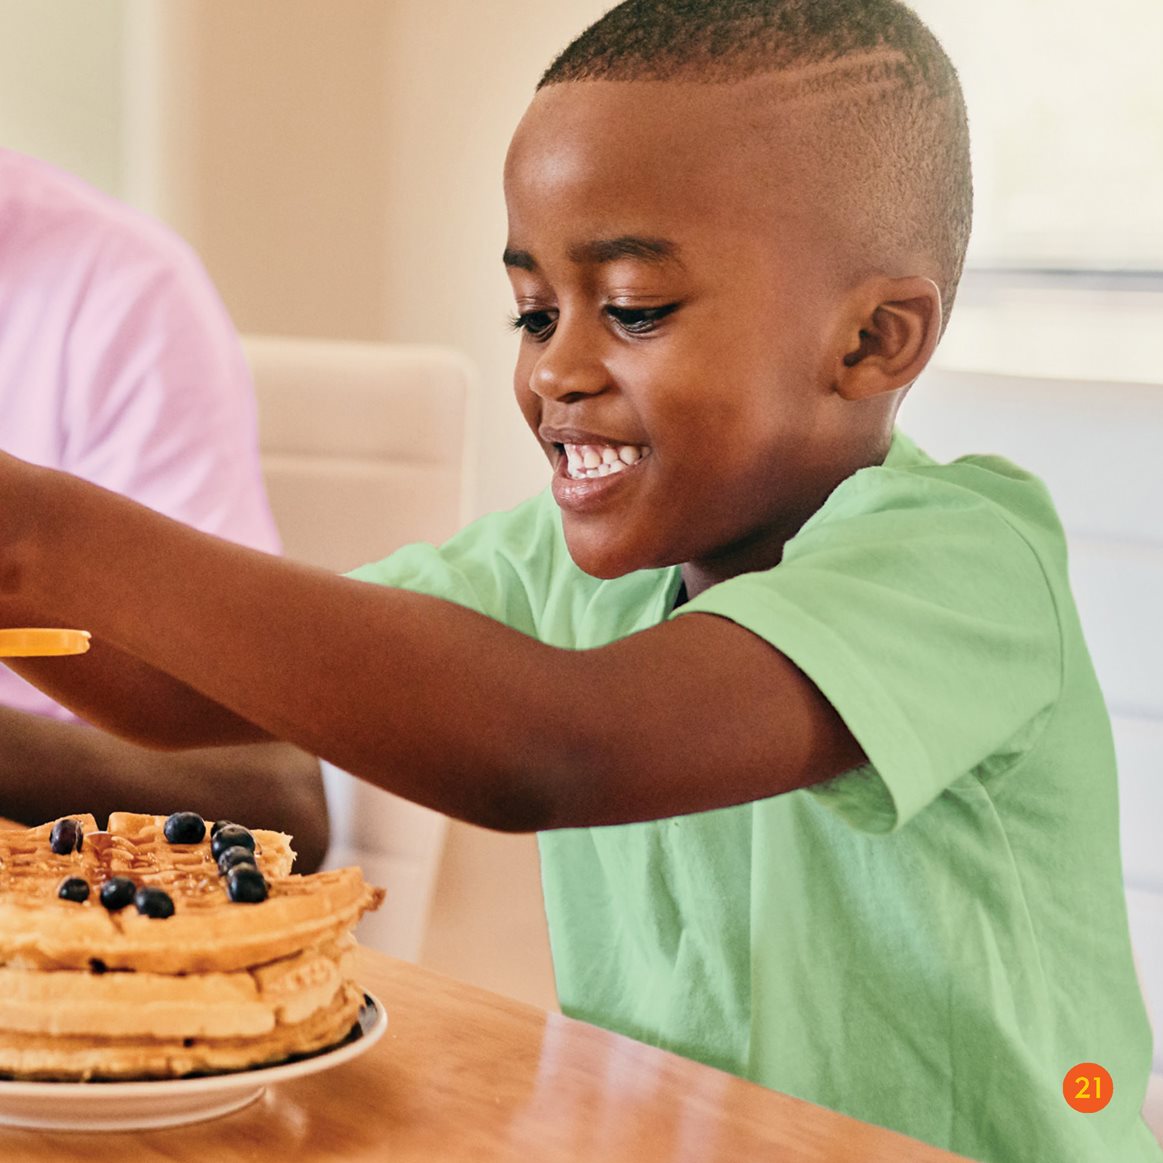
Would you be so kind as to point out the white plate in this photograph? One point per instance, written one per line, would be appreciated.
(171, 1102)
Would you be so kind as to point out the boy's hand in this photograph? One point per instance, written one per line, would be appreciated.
(42, 546)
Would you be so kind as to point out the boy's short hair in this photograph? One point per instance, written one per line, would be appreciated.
(895, 111)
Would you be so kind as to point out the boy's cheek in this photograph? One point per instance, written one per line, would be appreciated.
(530, 405)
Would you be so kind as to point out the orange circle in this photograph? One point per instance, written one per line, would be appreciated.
(1087, 1087)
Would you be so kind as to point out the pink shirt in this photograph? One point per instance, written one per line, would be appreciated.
(119, 363)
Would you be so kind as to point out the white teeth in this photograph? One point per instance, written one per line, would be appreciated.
(587, 461)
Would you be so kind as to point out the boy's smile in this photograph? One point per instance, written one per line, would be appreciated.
(682, 310)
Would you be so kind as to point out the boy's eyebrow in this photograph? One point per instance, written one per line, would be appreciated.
(602, 250)
(651, 250)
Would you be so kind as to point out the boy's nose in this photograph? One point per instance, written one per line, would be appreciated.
(568, 368)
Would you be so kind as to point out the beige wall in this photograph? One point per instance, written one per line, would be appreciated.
(338, 166)
(463, 73)
(61, 84)
(268, 143)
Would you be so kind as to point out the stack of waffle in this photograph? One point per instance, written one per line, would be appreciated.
(88, 992)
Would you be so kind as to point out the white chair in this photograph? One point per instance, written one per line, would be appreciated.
(367, 447)
(1096, 446)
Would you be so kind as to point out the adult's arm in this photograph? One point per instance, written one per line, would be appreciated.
(427, 699)
(137, 382)
(50, 768)
(157, 400)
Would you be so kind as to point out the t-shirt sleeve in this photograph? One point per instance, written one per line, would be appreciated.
(920, 609)
(503, 565)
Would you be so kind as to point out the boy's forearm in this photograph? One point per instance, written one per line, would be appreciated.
(107, 687)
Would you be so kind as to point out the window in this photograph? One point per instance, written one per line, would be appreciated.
(1066, 113)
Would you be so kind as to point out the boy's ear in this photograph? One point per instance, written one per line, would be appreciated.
(889, 337)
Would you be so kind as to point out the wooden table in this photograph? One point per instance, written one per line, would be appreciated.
(463, 1075)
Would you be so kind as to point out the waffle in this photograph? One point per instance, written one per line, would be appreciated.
(86, 992)
(207, 932)
(39, 1056)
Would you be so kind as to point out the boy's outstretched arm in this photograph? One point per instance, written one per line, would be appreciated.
(427, 699)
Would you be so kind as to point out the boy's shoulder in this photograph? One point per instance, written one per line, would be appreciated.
(966, 497)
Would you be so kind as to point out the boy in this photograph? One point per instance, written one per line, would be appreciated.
(837, 692)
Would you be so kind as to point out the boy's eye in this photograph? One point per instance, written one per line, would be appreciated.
(539, 325)
(535, 324)
(639, 320)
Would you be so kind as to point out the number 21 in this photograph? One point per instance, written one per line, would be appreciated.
(1084, 1088)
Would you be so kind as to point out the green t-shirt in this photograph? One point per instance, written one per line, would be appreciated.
(930, 942)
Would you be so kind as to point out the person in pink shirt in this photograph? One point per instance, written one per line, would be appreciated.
(119, 363)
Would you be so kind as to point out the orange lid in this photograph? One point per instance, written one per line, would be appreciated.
(25, 642)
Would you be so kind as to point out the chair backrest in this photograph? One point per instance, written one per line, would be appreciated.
(367, 447)
(1097, 447)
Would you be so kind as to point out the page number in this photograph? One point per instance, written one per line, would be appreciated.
(1087, 1087)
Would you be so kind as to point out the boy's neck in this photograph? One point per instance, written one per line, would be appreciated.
(765, 550)
(698, 576)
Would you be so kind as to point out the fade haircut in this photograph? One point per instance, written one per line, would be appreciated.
(892, 102)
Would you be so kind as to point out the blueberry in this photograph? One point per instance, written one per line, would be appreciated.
(117, 892)
(152, 901)
(230, 836)
(235, 857)
(66, 836)
(185, 828)
(246, 885)
(220, 824)
(73, 888)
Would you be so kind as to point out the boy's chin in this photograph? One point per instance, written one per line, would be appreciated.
(601, 567)
(605, 561)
